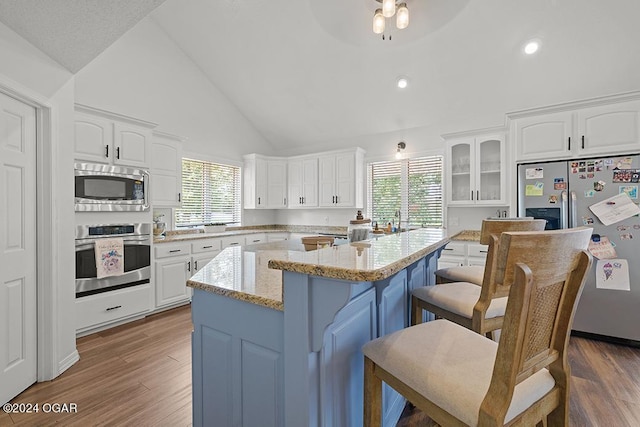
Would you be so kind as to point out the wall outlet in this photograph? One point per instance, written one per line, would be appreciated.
(454, 221)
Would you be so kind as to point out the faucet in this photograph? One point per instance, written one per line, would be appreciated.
(398, 215)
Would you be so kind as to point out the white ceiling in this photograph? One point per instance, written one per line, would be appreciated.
(305, 72)
(73, 32)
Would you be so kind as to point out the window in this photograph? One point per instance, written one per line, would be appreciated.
(210, 193)
(412, 185)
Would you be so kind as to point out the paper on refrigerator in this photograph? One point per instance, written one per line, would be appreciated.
(613, 274)
(615, 209)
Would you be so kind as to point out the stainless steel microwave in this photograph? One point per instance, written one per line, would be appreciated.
(110, 188)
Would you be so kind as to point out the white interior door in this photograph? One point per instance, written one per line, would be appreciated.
(17, 247)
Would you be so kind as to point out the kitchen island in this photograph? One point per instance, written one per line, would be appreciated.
(278, 331)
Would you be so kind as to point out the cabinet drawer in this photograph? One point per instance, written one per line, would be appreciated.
(111, 306)
(478, 251)
(252, 239)
(232, 241)
(453, 249)
(164, 250)
(207, 245)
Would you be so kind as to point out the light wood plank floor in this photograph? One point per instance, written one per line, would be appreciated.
(140, 374)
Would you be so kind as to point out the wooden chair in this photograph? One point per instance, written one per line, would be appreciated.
(475, 273)
(480, 309)
(458, 377)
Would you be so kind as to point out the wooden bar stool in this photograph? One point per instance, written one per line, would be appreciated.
(479, 308)
(475, 273)
(459, 378)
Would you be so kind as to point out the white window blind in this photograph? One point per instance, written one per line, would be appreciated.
(211, 193)
(413, 186)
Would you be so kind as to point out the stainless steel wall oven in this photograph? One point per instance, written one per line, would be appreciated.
(137, 257)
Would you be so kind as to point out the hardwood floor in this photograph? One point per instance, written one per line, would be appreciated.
(140, 374)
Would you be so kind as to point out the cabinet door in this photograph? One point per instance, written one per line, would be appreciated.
(166, 166)
(609, 129)
(544, 137)
(490, 170)
(260, 183)
(93, 139)
(201, 260)
(310, 182)
(171, 280)
(327, 181)
(294, 183)
(132, 145)
(345, 180)
(276, 184)
(460, 172)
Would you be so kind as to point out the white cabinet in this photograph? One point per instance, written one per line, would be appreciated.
(276, 237)
(104, 137)
(265, 182)
(577, 130)
(108, 308)
(340, 179)
(302, 179)
(166, 170)
(458, 254)
(172, 267)
(255, 238)
(476, 169)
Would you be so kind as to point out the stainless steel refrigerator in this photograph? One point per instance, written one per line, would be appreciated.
(562, 192)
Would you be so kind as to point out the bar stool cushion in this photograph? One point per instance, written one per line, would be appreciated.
(470, 273)
(459, 298)
(452, 366)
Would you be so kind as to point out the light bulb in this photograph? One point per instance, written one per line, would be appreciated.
(398, 154)
(378, 22)
(402, 83)
(402, 20)
(388, 8)
(531, 47)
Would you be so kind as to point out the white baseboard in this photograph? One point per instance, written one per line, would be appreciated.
(68, 361)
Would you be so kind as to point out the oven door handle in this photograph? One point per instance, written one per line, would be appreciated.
(84, 244)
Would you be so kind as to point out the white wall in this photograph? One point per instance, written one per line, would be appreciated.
(31, 73)
(145, 75)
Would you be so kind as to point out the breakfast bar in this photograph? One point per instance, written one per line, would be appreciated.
(278, 330)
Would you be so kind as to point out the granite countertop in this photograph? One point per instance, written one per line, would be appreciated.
(252, 273)
(467, 235)
(187, 235)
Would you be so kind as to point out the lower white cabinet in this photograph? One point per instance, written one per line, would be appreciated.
(276, 237)
(175, 263)
(458, 254)
(94, 311)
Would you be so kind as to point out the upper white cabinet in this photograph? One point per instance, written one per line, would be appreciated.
(598, 127)
(265, 182)
(104, 137)
(340, 179)
(476, 169)
(302, 179)
(166, 170)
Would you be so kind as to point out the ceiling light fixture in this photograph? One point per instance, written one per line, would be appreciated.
(531, 47)
(390, 8)
(402, 82)
(401, 146)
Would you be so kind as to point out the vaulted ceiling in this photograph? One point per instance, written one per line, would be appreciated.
(308, 71)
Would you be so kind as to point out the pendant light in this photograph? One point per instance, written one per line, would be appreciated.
(378, 22)
(390, 8)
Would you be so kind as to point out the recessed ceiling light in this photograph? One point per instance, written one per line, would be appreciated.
(531, 47)
(402, 82)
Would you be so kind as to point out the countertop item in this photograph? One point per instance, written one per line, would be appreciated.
(252, 273)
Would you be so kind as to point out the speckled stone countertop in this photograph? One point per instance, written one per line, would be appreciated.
(252, 273)
(467, 235)
(186, 235)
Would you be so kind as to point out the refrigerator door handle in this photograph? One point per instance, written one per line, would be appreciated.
(563, 209)
(573, 221)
